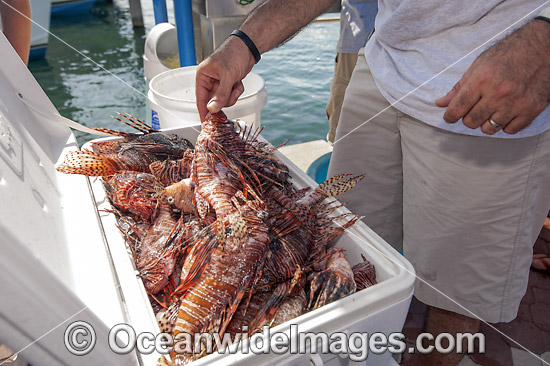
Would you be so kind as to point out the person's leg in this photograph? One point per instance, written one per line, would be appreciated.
(374, 148)
(443, 321)
(343, 68)
(472, 209)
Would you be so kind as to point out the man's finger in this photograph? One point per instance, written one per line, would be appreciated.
(478, 115)
(221, 96)
(495, 123)
(461, 104)
(203, 89)
(237, 91)
(444, 101)
(516, 125)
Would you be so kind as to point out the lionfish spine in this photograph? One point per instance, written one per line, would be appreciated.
(134, 123)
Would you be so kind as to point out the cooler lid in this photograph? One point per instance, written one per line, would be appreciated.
(55, 266)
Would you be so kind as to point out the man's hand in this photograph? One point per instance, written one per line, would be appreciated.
(218, 80)
(509, 83)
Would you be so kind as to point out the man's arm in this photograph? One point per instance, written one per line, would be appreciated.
(509, 83)
(16, 25)
(218, 80)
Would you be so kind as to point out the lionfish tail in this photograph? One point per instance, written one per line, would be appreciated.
(88, 163)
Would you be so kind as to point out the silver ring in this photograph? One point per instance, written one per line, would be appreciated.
(494, 124)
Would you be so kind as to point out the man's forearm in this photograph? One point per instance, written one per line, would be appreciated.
(275, 21)
(219, 77)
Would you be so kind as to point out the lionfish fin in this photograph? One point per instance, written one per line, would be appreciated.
(135, 123)
(325, 234)
(112, 132)
(89, 163)
(364, 274)
(270, 307)
(203, 245)
(339, 184)
(174, 238)
(227, 314)
(167, 321)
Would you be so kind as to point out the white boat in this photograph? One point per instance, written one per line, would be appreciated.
(40, 10)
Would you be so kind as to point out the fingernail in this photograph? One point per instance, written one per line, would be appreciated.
(213, 106)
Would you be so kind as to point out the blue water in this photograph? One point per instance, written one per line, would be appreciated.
(297, 74)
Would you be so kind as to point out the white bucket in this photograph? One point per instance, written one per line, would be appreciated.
(160, 55)
(172, 99)
(161, 50)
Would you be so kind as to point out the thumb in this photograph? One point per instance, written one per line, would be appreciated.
(444, 101)
(220, 98)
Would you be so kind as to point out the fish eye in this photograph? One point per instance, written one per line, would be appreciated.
(170, 200)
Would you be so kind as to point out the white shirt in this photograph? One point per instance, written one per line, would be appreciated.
(421, 48)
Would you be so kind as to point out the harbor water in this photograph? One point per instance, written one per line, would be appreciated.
(94, 69)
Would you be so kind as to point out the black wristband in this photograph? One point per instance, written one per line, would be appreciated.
(248, 42)
(541, 17)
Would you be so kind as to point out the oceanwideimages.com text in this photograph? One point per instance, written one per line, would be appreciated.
(80, 340)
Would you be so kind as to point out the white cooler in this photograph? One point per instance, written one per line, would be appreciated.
(63, 260)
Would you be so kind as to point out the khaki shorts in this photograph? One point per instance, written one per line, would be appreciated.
(466, 210)
(343, 67)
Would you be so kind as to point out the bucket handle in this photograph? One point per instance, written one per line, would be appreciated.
(59, 118)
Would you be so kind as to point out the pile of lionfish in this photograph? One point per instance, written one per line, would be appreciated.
(220, 236)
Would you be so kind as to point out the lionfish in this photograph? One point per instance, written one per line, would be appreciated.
(221, 237)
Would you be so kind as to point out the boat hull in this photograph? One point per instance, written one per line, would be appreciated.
(71, 7)
(40, 10)
(38, 52)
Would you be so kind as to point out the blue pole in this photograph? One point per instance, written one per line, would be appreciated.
(184, 26)
(161, 14)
